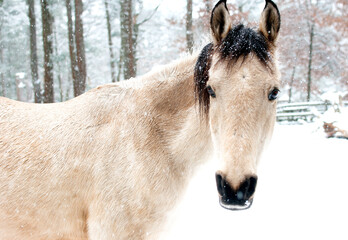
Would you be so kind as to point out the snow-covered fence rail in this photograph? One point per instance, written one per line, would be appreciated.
(302, 110)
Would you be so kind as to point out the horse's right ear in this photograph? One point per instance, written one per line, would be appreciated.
(220, 22)
(270, 21)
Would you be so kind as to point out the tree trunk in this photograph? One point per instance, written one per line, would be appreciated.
(131, 58)
(2, 79)
(309, 77)
(60, 83)
(126, 18)
(189, 32)
(291, 83)
(112, 57)
(136, 27)
(47, 21)
(80, 51)
(33, 53)
(73, 63)
(67, 92)
(119, 66)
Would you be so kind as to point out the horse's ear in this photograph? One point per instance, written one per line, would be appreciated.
(220, 22)
(270, 21)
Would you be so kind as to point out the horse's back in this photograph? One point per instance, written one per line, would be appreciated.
(47, 154)
(57, 161)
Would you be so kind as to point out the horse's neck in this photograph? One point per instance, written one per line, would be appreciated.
(188, 137)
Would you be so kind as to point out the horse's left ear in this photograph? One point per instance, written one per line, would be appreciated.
(270, 21)
(220, 22)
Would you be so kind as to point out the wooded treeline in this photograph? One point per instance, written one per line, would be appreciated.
(53, 50)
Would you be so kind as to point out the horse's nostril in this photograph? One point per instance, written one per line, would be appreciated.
(223, 187)
(219, 184)
(248, 187)
(251, 186)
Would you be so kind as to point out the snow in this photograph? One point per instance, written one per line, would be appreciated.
(333, 96)
(339, 118)
(20, 75)
(301, 194)
(21, 85)
(168, 7)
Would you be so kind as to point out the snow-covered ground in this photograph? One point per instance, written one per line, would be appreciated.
(302, 193)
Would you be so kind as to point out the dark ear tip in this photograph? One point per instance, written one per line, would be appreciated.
(274, 6)
(272, 3)
(270, 21)
(220, 2)
(217, 5)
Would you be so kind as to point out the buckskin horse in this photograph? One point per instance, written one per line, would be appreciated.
(112, 162)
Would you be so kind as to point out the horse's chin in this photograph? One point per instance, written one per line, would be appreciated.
(236, 207)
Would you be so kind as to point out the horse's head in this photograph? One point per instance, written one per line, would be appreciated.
(237, 83)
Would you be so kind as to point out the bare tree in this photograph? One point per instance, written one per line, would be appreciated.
(33, 52)
(291, 82)
(56, 52)
(130, 28)
(72, 53)
(80, 83)
(311, 21)
(309, 76)
(2, 79)
(119, 65)
(47, 21)
(126, 17)
(311, 43)
(112, 57)
(189, 31)
(76, 47)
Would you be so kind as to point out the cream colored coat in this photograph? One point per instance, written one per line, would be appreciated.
(105, 165)
(110, 163)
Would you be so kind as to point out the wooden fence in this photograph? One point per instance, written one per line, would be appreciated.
(306, 111)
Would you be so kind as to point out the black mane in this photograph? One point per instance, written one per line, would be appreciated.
(239, 42)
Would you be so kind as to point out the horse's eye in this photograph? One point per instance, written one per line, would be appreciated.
(274, 94)
(211, 92)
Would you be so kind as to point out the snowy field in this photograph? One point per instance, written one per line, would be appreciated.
(302, 193)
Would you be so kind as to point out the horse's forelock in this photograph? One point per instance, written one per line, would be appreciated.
(240, 42)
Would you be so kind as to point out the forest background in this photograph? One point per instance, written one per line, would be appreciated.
(54, 50)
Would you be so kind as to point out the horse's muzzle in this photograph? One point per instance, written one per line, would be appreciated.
(238, 199)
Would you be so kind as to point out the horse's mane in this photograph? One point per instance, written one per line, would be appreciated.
(170, 71)
(239, 43)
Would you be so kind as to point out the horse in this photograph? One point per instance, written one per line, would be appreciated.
(112, 162)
